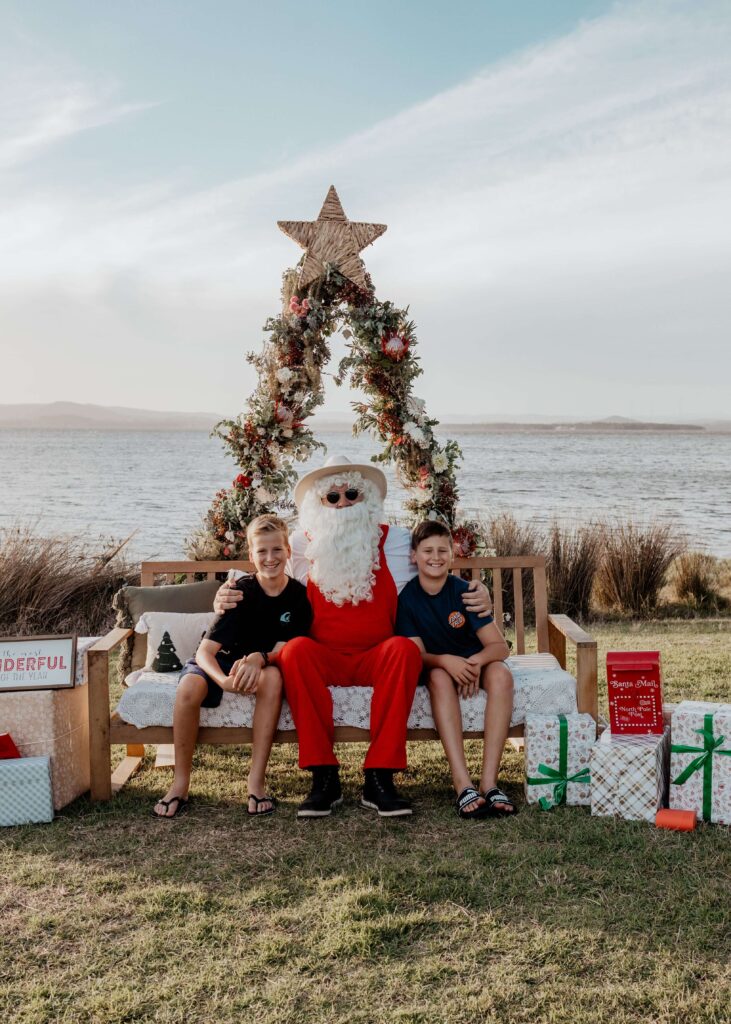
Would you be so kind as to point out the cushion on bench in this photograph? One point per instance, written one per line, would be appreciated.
(541, 687)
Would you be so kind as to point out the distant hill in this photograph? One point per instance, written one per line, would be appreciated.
(78, 416)
(75, 416)
(612, 425)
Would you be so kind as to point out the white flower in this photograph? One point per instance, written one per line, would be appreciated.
(230, 535)
(415, 407)
(440, 462)
(416, 433)
(432, 516)
(287, 432)
(284, 375)
(413, 430)
(299, 397)
(263, 496)
(256, 481)
(261, 431)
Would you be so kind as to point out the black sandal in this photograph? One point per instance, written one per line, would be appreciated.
(182, 807)
(261, 800)
(496, 796)
(466, 797)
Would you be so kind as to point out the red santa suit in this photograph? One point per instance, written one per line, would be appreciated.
(354, 645)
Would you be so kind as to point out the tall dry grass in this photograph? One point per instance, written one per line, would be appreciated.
(635, 566)
(59, 584)
(507, 535)
(573, 560)
(696, 580)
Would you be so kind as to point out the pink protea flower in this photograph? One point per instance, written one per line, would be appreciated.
(394, 346)
(283, 414)
(465, 542)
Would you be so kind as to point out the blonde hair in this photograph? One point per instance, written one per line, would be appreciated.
(266, 524)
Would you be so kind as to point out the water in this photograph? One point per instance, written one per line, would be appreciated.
(160, 484)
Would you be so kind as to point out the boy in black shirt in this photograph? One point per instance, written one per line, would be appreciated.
(462, 653)
(234, 656)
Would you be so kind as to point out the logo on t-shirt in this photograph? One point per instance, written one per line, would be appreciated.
(285, 616)
(456, 619)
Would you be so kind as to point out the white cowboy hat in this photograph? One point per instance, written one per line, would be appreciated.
(335, 464)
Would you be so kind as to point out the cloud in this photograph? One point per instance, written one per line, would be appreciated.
(40, 108)
(565, 205)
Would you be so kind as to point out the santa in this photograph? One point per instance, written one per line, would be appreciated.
(354, 567)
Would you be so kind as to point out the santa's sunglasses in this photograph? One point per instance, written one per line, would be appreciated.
(333, 497)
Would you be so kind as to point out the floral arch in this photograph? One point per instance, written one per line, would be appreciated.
(328, 291)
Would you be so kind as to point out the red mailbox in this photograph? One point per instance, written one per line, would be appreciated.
(635, 692)
(7, 747)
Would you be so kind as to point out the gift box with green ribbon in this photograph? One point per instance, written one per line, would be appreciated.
(557, 756)
(700, 760)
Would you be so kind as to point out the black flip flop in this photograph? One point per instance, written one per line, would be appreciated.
(182, 807)
(466, 797)
(261, 800)
(496, 796)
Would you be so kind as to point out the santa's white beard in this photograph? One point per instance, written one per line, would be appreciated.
(342, 547)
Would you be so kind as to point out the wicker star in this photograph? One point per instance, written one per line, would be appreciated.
(332, 238)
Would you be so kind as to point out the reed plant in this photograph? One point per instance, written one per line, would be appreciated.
(506, 535)
(60, 584)
(574, 557)
(635, 566)
(695, 578)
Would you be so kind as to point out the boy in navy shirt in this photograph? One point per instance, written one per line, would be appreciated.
(461, 653)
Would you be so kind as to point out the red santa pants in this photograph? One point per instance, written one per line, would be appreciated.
(392, 668)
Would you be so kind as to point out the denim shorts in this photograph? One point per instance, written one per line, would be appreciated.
(215, 692)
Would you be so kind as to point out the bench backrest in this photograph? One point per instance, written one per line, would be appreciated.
(505, 574)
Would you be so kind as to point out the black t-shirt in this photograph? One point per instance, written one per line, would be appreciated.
(259, 621)
(440, 620)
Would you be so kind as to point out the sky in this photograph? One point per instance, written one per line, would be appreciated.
(554, 176)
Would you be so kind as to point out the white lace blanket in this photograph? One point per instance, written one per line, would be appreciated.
(541, 687)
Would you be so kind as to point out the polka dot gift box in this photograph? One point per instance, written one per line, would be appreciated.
(557, 759)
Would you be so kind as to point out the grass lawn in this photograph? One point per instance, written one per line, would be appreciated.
(108, 915)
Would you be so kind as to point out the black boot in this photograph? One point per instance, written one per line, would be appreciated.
(380, 794)
(325, 793)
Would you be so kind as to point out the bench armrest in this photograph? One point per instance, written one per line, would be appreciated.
(99, 712)
(560, 629)
(112, 639)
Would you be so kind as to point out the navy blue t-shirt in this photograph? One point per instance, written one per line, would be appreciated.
(440, 620)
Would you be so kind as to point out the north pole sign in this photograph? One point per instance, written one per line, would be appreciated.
(37, 662)
(635, 692)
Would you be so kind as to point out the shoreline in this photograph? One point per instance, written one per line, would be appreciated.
(559, 429)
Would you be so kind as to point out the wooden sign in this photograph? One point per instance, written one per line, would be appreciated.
(635, 693)
(37, 662)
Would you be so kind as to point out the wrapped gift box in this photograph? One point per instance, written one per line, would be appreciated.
(25, 791)
(54, 723)
(629, 775)
(700, 760)
(557, 755)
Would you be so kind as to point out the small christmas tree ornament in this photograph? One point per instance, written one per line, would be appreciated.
(167, 657)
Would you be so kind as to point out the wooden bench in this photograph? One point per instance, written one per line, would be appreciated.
(107, 728)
